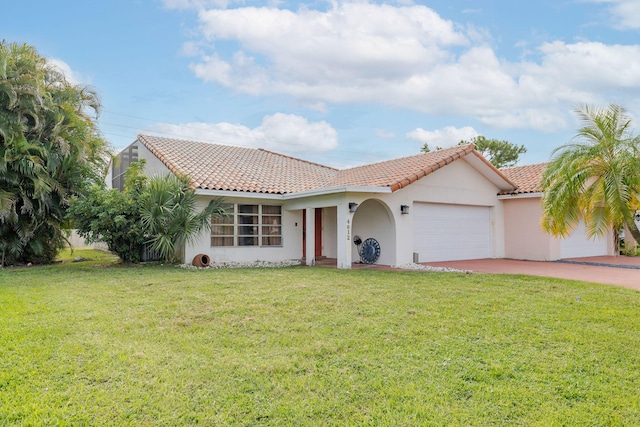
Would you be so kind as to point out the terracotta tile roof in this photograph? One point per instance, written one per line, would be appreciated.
(527, 178)
(223, 167)
(399, 173)
(228, 168)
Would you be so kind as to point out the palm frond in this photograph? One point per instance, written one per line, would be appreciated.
(595, 177)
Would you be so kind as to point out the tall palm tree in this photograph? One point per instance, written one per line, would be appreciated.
(596, 177)
(50, 149)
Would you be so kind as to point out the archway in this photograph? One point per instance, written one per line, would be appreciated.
(374, 219)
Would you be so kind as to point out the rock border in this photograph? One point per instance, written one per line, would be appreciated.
(252, 264)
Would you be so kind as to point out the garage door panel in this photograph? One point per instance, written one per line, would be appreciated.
(577, 245)
(451, 232)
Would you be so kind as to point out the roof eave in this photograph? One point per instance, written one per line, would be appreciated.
(337, 190)
(241, 194)
(516, 195)
(291, 196)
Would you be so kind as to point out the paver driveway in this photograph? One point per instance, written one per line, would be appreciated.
(620, 270)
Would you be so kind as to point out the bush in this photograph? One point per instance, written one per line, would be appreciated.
(160, 211)
(113, 217)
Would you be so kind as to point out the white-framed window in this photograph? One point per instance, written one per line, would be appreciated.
(223, 227)
(248, 225)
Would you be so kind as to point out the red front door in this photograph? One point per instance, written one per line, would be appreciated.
(318, 233)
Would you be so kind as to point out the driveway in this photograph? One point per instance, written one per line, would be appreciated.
(608, 270)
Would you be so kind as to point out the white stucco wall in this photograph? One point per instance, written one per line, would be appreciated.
(153, 165)
(329, 232)
(328, 203)
(374, 220)
(457, 183)
(291, 239)
(378, 215)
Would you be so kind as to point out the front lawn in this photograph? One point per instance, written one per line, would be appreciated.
(94, 343)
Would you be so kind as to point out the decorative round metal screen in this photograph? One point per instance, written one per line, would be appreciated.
(370, 251)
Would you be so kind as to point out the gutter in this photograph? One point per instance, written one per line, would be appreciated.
(520, 196)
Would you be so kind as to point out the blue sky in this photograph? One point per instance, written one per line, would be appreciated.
(342, 83)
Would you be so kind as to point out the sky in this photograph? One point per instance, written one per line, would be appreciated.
(342, 83)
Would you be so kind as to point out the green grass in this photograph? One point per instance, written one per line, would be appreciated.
(95, 343)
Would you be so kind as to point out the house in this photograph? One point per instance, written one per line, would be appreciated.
(524, 237)
(449, 204)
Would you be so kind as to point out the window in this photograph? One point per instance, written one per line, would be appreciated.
(222, 228)
(271, 225)
(120, 164)
(248, 225)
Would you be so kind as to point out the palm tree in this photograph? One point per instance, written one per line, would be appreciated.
(50, 149)
(596, 177)
(169, 214)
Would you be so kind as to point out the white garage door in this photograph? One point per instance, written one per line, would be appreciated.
(451, 232)
(577, 245)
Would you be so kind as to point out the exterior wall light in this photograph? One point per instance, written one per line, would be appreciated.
(352, 207)
(404, 209)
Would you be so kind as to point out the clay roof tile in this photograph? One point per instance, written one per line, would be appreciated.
(399, 173)
(527, 178)
(223, 167)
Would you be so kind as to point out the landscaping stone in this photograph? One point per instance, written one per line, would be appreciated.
(253, 264)
(413, 266)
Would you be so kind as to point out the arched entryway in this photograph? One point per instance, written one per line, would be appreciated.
(374, 219)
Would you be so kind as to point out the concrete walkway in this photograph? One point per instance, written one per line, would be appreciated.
(608, 270)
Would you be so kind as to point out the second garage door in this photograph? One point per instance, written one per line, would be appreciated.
(451, 232)
(578, 245)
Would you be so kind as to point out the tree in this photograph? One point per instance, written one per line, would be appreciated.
(596, 177)
(426, 149)
(169, 214)
(50, 150)
(112, 216)
(500, 154)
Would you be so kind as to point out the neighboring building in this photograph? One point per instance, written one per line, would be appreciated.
(444, 205)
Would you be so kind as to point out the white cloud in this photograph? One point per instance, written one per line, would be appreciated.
(586, 64)
(626, 13)
(408, 57)
(352, 44)
(278, 132)
(447, 137)
(72, 76)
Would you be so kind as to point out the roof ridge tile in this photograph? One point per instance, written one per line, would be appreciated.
(296, 158)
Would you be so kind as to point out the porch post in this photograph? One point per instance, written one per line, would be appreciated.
(345, 238)
(310, 249)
